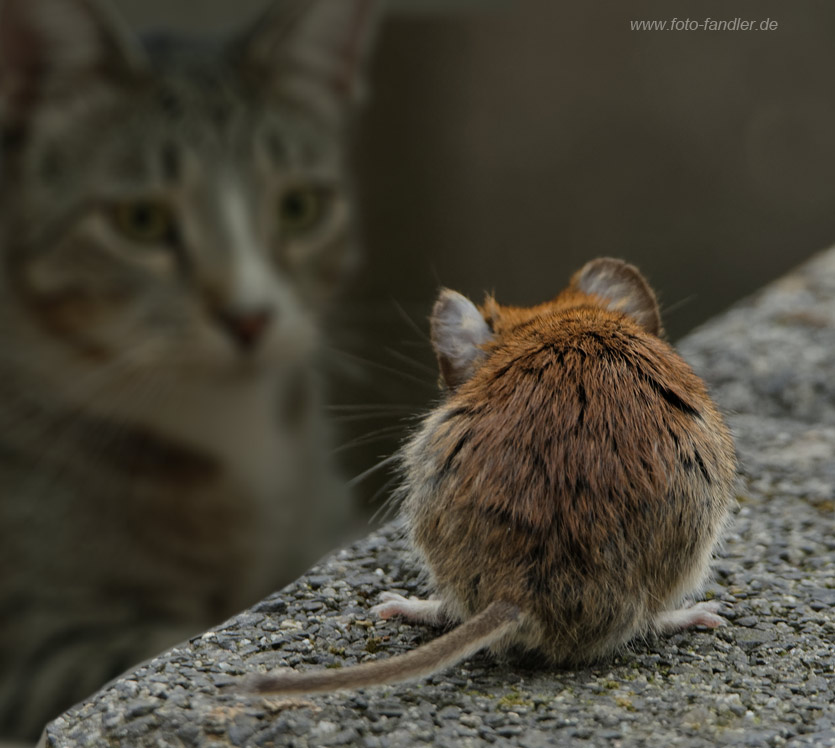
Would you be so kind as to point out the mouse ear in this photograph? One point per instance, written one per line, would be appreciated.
(459, 333)
(622, 287)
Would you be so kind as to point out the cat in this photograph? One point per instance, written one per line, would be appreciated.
(175, 216)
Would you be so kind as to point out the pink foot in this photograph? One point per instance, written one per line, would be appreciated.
(412, 609)
(699, 614)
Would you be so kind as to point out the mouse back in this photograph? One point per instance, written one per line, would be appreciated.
(577, 467)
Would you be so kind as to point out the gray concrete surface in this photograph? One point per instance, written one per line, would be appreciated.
(765, 679)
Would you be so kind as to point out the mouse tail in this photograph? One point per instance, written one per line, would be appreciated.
(476, 633)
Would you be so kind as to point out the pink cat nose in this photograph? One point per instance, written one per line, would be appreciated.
(246, 328)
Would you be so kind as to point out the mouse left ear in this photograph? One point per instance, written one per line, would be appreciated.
(458, 333)
(622, 288)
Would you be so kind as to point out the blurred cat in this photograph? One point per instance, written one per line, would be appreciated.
(174, 216)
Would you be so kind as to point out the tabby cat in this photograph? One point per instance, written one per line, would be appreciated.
(174, 216)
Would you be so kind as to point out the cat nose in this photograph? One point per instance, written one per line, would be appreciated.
(246, 328)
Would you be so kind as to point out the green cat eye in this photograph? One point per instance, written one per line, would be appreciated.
(145, 221)
(301, 208)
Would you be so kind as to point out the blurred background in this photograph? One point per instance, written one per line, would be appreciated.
(506, 142)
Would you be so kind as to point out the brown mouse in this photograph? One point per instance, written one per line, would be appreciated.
(567, 493)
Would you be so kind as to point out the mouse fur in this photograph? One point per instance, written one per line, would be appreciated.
(567, 493)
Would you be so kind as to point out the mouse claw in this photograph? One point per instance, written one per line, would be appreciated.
(705, 614)
(390, 605)
(699, 614)
(412, 609)
(387, 597)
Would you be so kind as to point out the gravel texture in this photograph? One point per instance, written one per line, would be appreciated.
(766, 679)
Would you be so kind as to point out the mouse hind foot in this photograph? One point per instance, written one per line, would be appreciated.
(412, 609)
(698, 614)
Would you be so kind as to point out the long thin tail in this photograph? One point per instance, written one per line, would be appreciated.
(476, 633)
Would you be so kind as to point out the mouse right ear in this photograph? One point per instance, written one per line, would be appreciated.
(622, 288)
(459, 333)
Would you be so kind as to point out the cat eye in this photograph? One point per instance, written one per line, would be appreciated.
(145, 221)
(301, 208)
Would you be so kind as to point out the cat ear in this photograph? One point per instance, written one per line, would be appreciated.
(622, 287)
(458, 333)
(49, 47)
(324, 43)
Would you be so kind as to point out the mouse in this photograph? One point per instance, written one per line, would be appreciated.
(566, 494)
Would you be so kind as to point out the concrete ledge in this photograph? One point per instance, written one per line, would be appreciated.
(767, 679)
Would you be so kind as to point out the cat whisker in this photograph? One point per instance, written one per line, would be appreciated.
(26, 409)
(134, 384)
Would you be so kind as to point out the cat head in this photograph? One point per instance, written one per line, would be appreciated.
(461, 332)
(183, 199)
